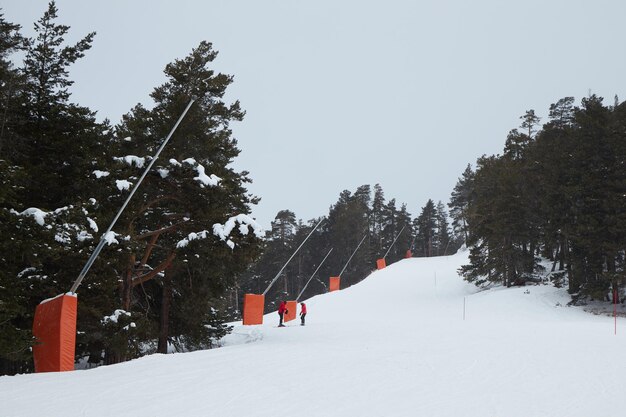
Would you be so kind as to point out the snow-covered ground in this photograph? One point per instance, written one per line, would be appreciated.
(394, 345)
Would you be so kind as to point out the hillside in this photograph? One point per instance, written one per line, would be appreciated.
(396, 344)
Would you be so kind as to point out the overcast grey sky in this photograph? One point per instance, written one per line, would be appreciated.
(344, 93)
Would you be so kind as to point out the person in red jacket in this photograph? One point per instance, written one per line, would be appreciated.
(302, 313)
(282, 310)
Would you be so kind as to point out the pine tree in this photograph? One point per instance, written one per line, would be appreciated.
(11, 86)
(426, 224)
(459, 201)
(377, 222)
(443, 233)
(60, 136)
(348, 221)
(529, 122)
(42, 138)
(176, 262)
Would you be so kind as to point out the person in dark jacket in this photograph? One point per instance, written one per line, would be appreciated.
(282, 310)
(302, 313)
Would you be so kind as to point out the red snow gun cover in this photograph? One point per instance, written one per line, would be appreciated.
(54, 327)
(292, 306)
(253, 306)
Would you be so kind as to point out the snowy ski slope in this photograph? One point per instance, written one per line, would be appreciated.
(394, 345)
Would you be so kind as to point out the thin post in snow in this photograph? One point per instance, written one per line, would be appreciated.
(615, 309)
(294, 254)
(98, 249)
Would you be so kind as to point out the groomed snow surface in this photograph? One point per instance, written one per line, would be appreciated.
(394, 345)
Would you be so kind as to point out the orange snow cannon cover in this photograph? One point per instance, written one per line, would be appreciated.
(54, 327)
(334, 284)
(409, 254)
(380, 263)
(292, 306)
(253, 305)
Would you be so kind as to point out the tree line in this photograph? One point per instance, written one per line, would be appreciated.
(364, 213)
(553, 204)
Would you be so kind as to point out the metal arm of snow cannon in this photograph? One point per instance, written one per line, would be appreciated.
(413, 242)
(312, 275)
(96, 252)
(350, 258)
(294, 254)
(394, 241)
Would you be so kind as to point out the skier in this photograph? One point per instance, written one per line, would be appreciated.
(282, 310)
(302, 313)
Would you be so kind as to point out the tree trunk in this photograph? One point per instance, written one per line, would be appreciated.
(531, 260)
(127, 284)
(562, 253)
(164, 323)
(556, 258)
(610, 263)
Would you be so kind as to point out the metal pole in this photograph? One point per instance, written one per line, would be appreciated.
(413, 242)
(349, 259)
(394, 241)
(316, 269)
(321, 282)
(294, 254)
(615, 308)
(96, 252)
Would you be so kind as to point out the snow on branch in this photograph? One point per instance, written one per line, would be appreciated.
(223, 230)
(245, 222)
(212, 181)
(111, 238)
(59, 222)
(100, 174)
(205, 180)
(131, 160)
(115, 316)
(123, 184)
(37, 214)
(192, 236)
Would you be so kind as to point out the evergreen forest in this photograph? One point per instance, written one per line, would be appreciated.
(553, 205)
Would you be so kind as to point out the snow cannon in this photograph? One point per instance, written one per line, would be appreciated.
(54, 327)
(253, 306)
(54, 324)
(292, 306)
(333, 284)
(381, 263)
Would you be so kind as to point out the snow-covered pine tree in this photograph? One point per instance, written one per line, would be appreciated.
(188, 230)
(46, 143)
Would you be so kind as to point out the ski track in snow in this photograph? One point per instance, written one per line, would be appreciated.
(395, 344)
